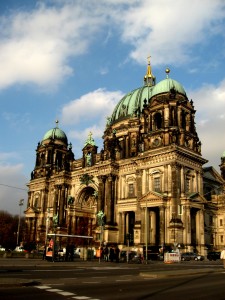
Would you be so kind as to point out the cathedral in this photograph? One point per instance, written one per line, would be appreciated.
(148, 183)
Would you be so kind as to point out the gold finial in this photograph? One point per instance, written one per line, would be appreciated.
(149, 78)
(149, 70)
(167, 72)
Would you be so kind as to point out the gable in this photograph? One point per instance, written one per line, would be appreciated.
(151, 197)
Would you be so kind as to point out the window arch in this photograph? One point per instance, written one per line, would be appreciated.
(130, 184)
(156, 179)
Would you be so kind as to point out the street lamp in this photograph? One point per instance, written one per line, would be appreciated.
(146, 232)
(18, 231)
(100, 220)
(47, 225)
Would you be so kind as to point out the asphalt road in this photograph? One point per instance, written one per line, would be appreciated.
(109, 281)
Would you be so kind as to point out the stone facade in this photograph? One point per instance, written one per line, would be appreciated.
(148, 179)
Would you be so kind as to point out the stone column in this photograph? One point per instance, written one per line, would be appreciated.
(162, 224)
(182, 181)
(139, 193)
(165, 178)
(109, 199)
(175, 169)
(166, 116)
(61, 205)
(147, 181)
(187, 225)
(101, 193)
(121, 227)
(55, 204)
(127, 146)
(202, 237)
(152, 228)
(144, 182)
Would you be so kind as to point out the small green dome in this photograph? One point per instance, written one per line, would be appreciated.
(131, 103)
(223, 155)
(166, 86)
(55, 134)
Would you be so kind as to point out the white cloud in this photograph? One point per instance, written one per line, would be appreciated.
(92, 107)
(168, 28)
(210, 122)
(5, 156)
(90, 112)
(36, 45)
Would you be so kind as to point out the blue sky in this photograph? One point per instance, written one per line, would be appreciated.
(74, 60)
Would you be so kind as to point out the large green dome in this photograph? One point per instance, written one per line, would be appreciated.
(55, 134)
(130, 103)
(134, 101)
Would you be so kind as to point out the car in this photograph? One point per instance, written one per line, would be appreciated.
(191, 256)
(213, 255)
(19, 249)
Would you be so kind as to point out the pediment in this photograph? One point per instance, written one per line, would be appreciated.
(209, 173)
(31, 211)
(197, 198)
(151, 197)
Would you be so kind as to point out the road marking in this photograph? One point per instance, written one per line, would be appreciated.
(66, 293)
(42, 287)
(54, 290)
(81, 297)
(59, 270)
(123, 280)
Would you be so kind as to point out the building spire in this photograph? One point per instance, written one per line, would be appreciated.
(149, 78)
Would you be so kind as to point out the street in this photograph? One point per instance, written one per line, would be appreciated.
(109, 281)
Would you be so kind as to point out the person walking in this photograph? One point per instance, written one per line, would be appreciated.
(222, 256)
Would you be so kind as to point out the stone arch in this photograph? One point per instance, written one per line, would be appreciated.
(86, 197)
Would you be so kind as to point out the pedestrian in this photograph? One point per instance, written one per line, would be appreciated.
(111, 254)
(44, 253)
(106, 253)
(72, 248)
(222, 256)
(67, 252)
(117, 254)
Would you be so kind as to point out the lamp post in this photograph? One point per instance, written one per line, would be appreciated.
(18, 231)
(146, 233)
(47, 225)
(100, 219)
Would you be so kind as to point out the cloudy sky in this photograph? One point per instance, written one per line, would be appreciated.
(74, 60)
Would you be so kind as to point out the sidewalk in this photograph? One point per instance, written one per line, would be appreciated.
(38, 262)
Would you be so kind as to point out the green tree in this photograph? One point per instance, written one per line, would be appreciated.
(9, 228)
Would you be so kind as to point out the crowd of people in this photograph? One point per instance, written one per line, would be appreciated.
(110, 253)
